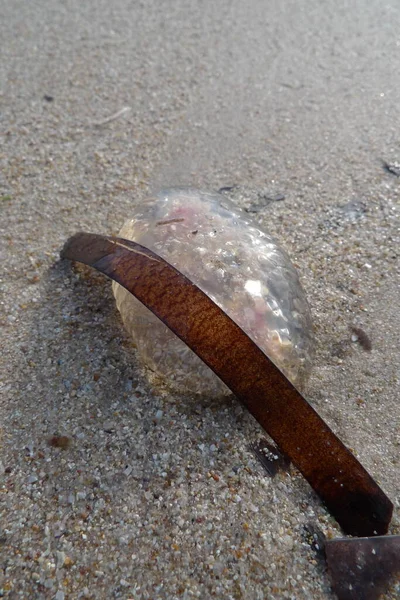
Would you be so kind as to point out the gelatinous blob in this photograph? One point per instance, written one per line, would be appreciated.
(239, 266)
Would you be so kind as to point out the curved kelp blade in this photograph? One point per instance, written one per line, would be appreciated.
(348, 491)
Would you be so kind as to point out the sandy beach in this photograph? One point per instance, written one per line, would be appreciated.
(112, 487)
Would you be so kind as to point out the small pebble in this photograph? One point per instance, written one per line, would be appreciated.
(60, 559)
(109, 426)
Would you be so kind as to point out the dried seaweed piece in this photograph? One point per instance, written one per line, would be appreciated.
(363, 569)
(348, 491)
(270, 457)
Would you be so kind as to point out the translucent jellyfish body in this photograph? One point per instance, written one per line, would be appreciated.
(239, 266)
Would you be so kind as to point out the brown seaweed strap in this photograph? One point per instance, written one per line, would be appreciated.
(363, 568)
(348, 491)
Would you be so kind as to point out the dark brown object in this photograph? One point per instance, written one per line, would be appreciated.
(60, 441)
(270, 457)
(170, 222)
(362, 338)
(363, 568)
(346, 488)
